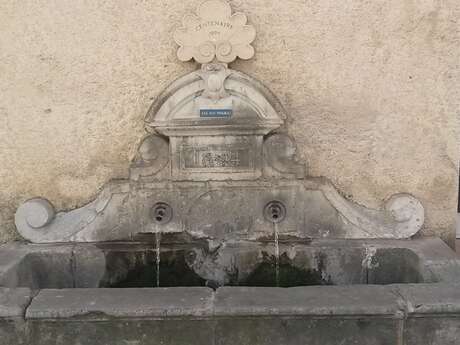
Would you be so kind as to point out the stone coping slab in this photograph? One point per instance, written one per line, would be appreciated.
(312, 300)
(430, 298)
(13, 302)
(391, 301)
(136, 302)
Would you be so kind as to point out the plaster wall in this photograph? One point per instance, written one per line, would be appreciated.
(371, 88)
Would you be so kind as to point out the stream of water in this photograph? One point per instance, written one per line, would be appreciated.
(158, 252)
(277, 254)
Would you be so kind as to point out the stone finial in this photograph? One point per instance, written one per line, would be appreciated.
(215, 33)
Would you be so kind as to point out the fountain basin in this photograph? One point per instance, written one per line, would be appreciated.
(364, 314)
(386, 292)
(242, 263)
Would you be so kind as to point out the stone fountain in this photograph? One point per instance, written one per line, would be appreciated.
(218, 214)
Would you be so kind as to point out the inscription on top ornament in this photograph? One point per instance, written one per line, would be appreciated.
(215, 34)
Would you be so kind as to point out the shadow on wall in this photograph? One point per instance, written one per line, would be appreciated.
(458, 225)
(458, 206)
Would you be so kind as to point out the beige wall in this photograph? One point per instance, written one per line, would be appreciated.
(372, 88)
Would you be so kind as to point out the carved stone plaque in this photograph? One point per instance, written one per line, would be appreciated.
(216, 158)
(215, 33)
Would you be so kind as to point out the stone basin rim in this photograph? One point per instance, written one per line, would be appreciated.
(395, 300)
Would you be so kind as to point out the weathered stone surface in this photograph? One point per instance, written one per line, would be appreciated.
(11, 256)
(229, 150)
(438, 263)
(37, 213)
(352, 75)
(431, 299)
(106, 303)
(13, 302)
(216, 120)
(48, 267)
(121, 332)
(312, 301)
(88, 267)
(406, 314)
(300, 331)
(218, 210)
(41, 266)
(13, 332)
(433, 313)
(188, 263)
(444, 330)
(394, 265)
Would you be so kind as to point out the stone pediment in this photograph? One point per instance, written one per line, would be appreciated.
(215, 119)
(215, 100)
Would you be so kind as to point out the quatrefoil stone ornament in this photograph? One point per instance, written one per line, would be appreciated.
(215, 34)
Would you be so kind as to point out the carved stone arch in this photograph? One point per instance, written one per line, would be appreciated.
(216, 120)
(173, 105)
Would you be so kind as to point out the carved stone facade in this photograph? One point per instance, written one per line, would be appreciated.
(219, 165)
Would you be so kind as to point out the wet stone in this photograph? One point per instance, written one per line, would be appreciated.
(288, 275)
(128, 269)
